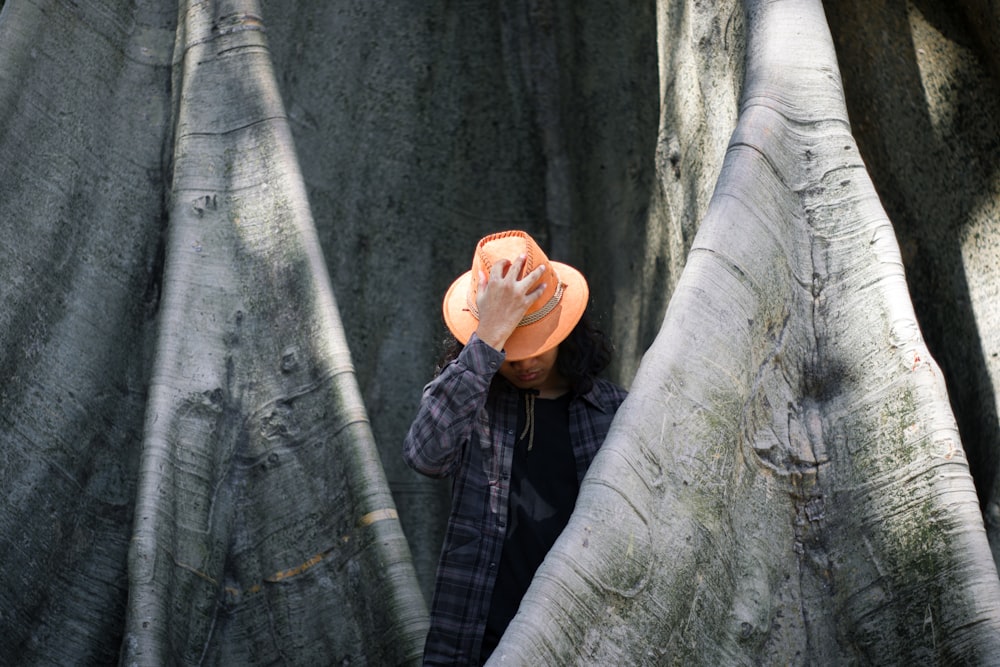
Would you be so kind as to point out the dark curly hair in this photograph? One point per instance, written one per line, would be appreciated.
(583, 354)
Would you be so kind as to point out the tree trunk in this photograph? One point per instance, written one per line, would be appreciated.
(84, 117)
(261, 511)
(189, 470)
(785, 483)
(262, 526)
(420, 130)
(925, 104)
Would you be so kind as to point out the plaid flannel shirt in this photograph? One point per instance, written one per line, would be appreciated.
(464, 429)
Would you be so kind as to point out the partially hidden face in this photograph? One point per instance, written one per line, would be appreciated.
(538, 372)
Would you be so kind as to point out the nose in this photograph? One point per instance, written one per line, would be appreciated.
(523, 363)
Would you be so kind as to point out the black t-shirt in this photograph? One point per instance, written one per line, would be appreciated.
(543, 490)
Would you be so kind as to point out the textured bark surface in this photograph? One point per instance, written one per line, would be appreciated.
(785, 484)
(85, 116)
(423, 127)
(264, 530)
(921, 83)
(183, 396)
(200, 460)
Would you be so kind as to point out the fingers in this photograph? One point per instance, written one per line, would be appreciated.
(499, 270)
(536, 293)
(503, 285)
(534, 277)
(504, 298)
(509, 271)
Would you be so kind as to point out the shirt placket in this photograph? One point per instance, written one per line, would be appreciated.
(502, 459)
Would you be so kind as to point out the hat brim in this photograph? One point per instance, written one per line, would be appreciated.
(532, 339)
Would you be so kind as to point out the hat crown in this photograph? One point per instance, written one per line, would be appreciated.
(509, 246)
(551, 316)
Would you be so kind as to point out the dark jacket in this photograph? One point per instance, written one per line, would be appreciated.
(465, 428)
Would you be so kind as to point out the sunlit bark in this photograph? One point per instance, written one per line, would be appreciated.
(785, 483)
(264, 528)
(925, 110)
(188, 468)
(258, 522)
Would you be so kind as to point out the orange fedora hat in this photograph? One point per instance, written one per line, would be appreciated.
(549, 320)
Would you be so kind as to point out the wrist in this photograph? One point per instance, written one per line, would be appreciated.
(480, 357)
(493, 339)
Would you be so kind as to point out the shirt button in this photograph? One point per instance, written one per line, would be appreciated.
(493, 566)
(510, 431)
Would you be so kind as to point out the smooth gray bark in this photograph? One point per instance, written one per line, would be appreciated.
(83, 122)
(265, 530)
(925, 107)
(189, 473)
(420, 130)
(188, 467)
(785, 484)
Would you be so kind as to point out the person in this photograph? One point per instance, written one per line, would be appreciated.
(515, 417)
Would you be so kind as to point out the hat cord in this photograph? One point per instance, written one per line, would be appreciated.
(529, 422)
(530, 318)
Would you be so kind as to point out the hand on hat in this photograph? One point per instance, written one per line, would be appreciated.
(502, 299)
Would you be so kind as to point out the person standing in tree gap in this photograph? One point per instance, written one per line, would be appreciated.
(515, 417)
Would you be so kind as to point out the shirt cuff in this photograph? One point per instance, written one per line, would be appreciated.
(480, 357)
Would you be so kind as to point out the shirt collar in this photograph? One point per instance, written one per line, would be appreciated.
(595, 396)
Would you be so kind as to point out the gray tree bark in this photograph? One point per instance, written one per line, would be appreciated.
(261, 510)
(786, 483)
(926, 114)
(194, 471)
(84, 120)
(182, 395)
(426, 135)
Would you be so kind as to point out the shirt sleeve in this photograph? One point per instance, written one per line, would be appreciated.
(448, 410)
